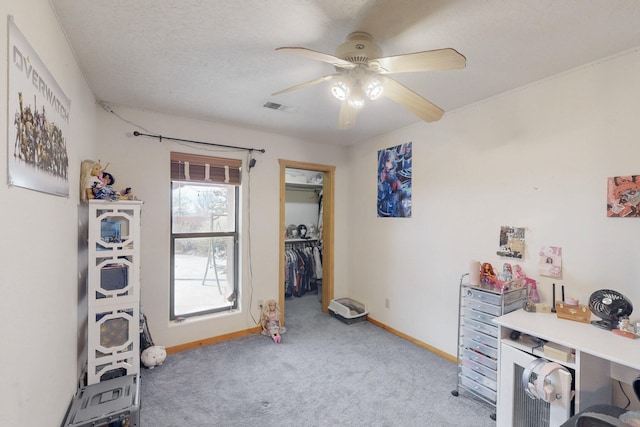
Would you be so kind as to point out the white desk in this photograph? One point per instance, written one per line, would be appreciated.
(599, 354)
(582, 337)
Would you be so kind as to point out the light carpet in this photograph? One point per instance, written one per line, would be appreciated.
(323, 373)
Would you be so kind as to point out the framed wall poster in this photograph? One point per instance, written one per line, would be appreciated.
(623, 196)
(38, 120)
(394, 181)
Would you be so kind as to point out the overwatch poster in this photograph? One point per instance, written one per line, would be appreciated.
(394, 181)
(38, 122)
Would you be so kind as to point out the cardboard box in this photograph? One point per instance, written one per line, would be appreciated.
(557, 352)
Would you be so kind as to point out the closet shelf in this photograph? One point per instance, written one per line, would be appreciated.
(302, 186)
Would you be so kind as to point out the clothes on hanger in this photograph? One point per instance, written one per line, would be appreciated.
(303, 267)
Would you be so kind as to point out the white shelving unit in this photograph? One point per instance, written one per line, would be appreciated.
(113, 290)
(479, 339)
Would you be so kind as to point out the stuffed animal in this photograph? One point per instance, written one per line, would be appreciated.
(96, 183)
(153, 356)
(90, 171)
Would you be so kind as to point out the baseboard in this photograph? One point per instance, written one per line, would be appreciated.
(212, 340)
(419, 343)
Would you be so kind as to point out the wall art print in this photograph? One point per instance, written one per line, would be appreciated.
(550, 262)
(511, 242)
(394, 181)
(38, 119)
(623, 196)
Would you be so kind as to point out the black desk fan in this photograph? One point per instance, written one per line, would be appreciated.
(610, 306)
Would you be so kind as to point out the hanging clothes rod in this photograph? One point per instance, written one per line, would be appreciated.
(160, 138)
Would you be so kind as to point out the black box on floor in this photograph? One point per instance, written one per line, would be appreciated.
(111, 403)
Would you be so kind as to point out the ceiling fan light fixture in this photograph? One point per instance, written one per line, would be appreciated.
(341, 90)
(374, 89)
(356, 100)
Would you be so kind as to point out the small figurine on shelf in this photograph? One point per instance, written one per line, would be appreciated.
(517, 272)
(507, 274)
(271, 321)
(487, 276)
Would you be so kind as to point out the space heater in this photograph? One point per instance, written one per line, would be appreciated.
(533, 392)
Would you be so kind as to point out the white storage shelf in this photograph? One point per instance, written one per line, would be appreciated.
(478, 338)
(113, 289)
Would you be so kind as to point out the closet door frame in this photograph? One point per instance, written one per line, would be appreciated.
(327, 227)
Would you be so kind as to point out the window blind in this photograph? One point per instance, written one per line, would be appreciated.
(197, 168)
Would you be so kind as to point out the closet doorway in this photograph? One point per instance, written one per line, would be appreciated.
(328, 173)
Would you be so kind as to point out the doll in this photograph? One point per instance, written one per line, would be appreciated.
(517, 272)
(507, 273)
(270, 321)
(487, 276)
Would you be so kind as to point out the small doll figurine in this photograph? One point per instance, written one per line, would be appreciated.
(487, 276)
(507, 274)
(271, 321)
(517, 272)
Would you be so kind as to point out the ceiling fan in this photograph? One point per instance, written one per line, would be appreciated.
(363, 73)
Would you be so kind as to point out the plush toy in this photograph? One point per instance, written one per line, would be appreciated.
(153, 356)
(96, 183)
(89, 177)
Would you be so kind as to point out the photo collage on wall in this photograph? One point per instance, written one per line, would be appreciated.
(394, 181)
(511, 242)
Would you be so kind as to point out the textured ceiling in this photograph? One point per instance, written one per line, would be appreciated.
(216, 59)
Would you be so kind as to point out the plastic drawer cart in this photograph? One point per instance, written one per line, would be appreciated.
(478, 339)
(113, 403)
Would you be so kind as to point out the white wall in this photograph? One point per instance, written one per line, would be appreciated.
(301, 207)
(537, 157)
(42, 340)
(143, 164)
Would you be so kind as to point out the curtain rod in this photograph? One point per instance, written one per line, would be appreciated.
(160, 137)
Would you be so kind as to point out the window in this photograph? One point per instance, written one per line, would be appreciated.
(204, 234)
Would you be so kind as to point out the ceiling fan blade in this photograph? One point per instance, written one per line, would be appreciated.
(413, 102)
(431, 60)
(309, 83)
(348, 114)
(318, 56)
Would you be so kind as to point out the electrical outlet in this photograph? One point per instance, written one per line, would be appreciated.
(260, 304)
(386, 303)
